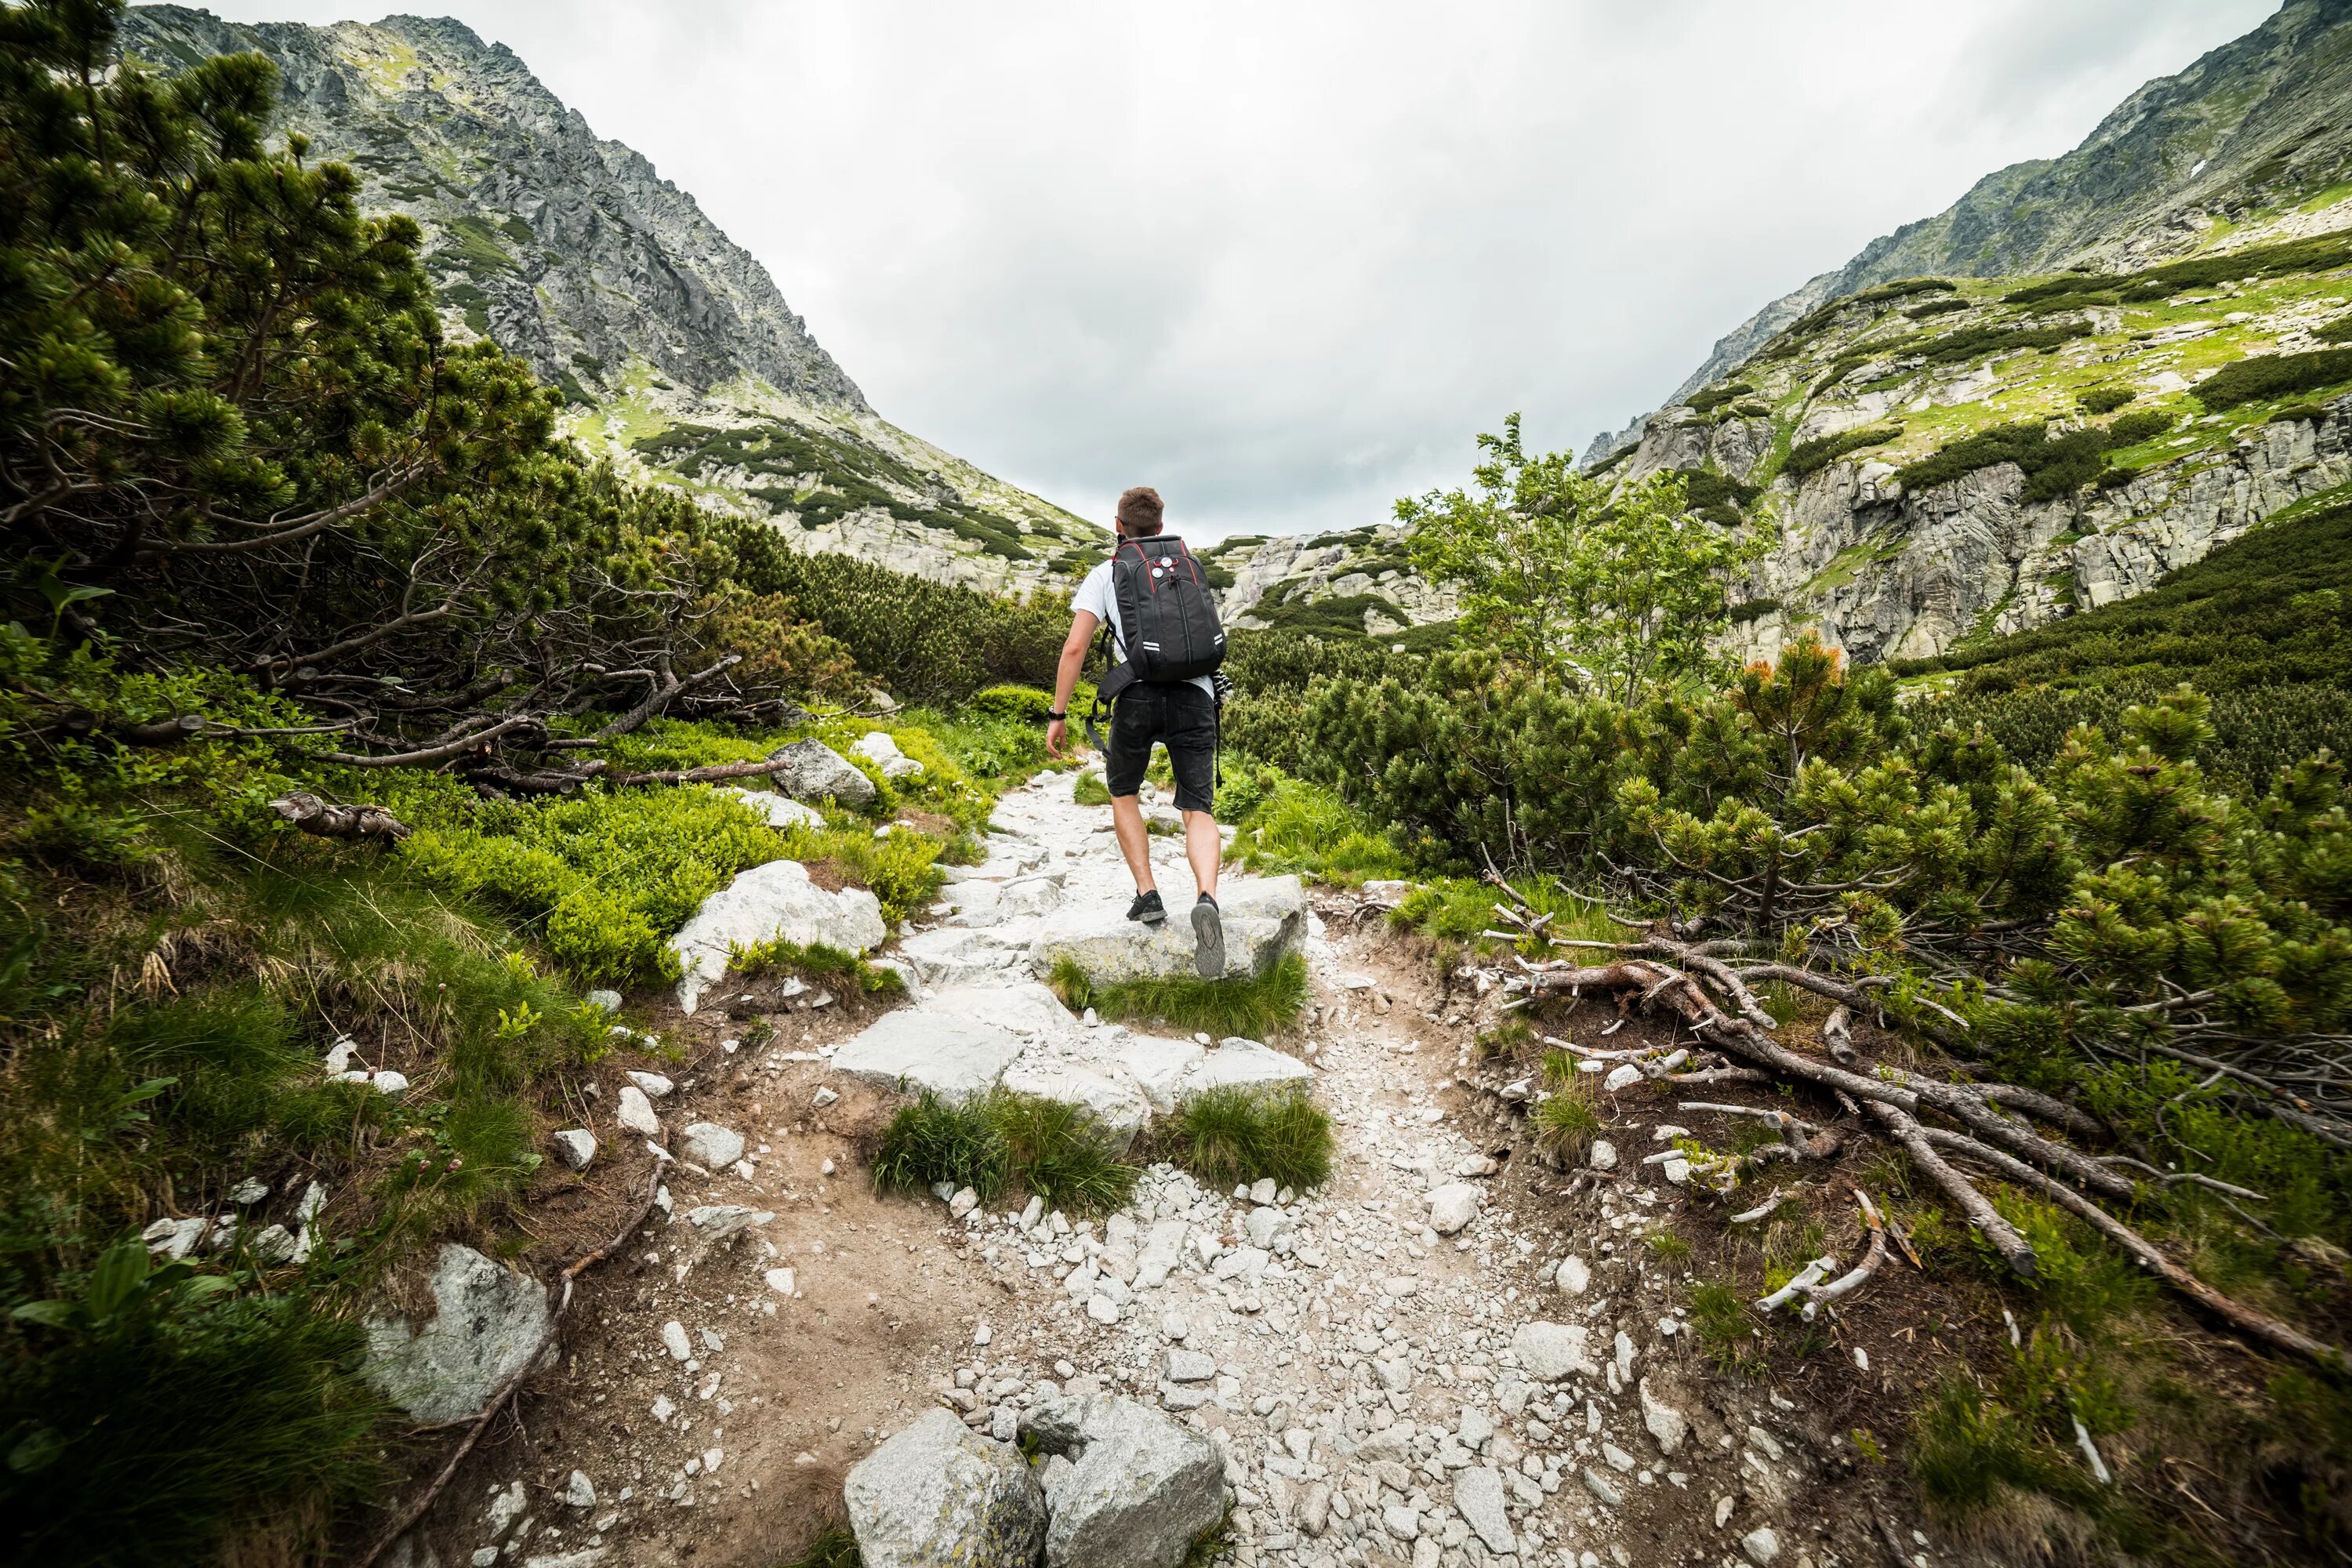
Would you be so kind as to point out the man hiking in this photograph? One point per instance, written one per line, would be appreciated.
(1168, 645)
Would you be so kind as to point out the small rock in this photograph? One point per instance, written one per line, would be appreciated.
(636, 1112)
(823, 1096)
(1598, 1485)
(1667, 1423)
(1476, 1165)
(711, 1146)
(1549, 1352)
(576, 1147)
(656, 1085)
(1573, 1277)
(1478, 1497)
(673, 1339)
(964, 1203)
(1191, 1366)
(1623, 1076)
(1454, 1206)
(1314, 1513)
(825, 1166)
(390, 1083)
(579, 1492)
(607, 1002)
(251, 1190)
(1761, 1544)
(1603, 1156)
(782, 1281)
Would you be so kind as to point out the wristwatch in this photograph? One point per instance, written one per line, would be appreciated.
(1061, 717)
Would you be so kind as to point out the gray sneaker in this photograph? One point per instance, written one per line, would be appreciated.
(1208, 940)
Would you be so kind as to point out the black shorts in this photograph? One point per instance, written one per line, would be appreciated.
(1183, 718)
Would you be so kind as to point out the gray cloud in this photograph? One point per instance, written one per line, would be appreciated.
(1285, 261)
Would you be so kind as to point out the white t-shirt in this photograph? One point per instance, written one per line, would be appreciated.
(1098, 594)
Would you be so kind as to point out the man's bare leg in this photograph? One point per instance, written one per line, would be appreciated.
(1134, 842)
(1205, 849)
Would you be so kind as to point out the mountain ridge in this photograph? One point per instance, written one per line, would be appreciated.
(2150, 181)
(572, 252)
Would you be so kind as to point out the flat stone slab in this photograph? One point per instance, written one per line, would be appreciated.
(1104, 1091)
(1265, 922)
(912, 1050)
(780, 810)
(766, 902)
(1170, 1072)
(1549, 1352)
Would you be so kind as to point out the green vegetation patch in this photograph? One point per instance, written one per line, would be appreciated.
(1256, 1007)
(2266, 377)
(1810, 457)
(2054, 464)
(2317, 254)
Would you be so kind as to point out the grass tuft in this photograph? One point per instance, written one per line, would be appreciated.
(1232, 1137)
(816, 961)
(833, 1547)
(996, 1141)
(1567, 1121)
(1257, 1008)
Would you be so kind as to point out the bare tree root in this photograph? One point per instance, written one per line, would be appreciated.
(1896, 1100)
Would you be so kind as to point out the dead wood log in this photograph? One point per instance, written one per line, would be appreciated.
(330, 819)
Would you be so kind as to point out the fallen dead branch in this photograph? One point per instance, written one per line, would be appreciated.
(329, 819)
(1995, 1138)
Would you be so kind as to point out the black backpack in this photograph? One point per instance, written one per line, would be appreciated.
(1164, 605)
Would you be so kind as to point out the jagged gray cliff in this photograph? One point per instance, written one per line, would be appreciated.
(676, 350)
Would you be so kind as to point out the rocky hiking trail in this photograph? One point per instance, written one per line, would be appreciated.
(1452, 1354)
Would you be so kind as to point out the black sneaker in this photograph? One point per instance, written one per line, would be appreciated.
(1208, 939)
(1148, 909)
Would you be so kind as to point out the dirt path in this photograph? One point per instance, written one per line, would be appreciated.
(1375, 1387)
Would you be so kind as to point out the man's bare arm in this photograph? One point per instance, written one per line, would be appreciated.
(1065, 678)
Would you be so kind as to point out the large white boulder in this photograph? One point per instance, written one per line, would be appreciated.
(489, 1322)
(776, 899)
(1139, 1488)
(877, 747)
(814, 771)
(911, 1051)
(780, 810)
(1265, 922)
(938, 1494)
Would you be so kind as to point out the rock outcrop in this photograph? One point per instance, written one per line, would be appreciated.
(938, 1495)
(1138, 1488)
(489, 1324)
(762, 905)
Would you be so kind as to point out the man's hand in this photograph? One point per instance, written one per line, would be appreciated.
(1057, 737)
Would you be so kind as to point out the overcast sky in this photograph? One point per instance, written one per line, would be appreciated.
(1283, 261)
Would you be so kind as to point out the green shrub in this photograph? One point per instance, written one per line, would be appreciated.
(2266, 377)
(1936, 308)
(2053, 465)
(901, 867)
(2103, 399)
(1088, 789)
(1986, 340)
(603, 876)
(1030, 704)
(1061, 1154)
(1810, 457)
(2316, 254)
(1566, 1123)
(1257, 1007)
(2339, 331)
(157, 1422)
(2300, 412)
(1708, 399)
(1230, 1137)
(1288, 825)
(935, 1140)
